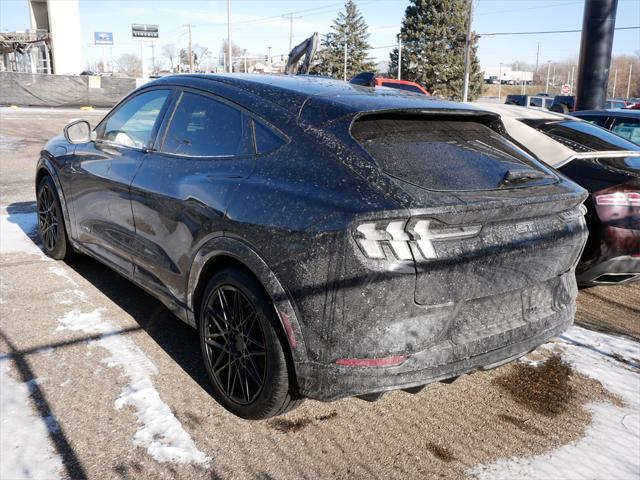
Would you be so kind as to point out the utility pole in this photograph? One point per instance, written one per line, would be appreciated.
(573, 77)
(546, 90)
(499, 81)
(145, 73)
(467, 55)
(229, 48)
(244, 57)
(615, 81)
(345, 60)
(399, 57)
(629, 80)
(535, 73)
(269, 58)
(153, 57)
(188, 25)
(291, 19)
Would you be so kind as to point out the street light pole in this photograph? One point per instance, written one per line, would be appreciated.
(467, 54)
(229, 48)
(269, 60)
(345, 59)
(399, 57)
(548, 71)
(499, 81)
(615, 81)
(629, 80)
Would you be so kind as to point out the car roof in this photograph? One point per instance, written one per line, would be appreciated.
(544, 147)
(335, 97)
(610, 112)
(517, 111)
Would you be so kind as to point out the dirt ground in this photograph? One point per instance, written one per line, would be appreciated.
(442, 432)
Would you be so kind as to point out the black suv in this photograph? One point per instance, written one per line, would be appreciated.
(326, 239)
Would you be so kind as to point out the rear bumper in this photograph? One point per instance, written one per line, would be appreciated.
(482, 349)
(622, 269)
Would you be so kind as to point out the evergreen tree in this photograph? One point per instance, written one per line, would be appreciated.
(433, 38)
(350, 27)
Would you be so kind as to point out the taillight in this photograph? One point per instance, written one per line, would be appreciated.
(398, 235)
(619, 199)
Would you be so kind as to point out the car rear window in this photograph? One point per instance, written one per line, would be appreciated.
(402, 86)
(445, 153)
(581, 136)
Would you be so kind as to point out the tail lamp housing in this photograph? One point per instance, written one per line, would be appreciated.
(399, 234)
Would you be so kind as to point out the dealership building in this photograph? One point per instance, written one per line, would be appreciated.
(52, 45)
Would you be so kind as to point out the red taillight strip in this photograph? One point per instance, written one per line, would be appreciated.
(372, 362)
(620, 199)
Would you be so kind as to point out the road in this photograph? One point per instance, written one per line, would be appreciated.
(119, 381)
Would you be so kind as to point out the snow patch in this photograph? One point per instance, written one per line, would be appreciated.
(13, 238)
(25, 447)
(159, 430)
(610, 446)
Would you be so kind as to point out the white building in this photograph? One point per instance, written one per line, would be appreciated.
(62, 21)
(506, 74)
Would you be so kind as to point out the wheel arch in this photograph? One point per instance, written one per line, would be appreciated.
(45, 168)
(224, 252)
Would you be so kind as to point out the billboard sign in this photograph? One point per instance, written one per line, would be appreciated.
(103, 38)
(139, 30)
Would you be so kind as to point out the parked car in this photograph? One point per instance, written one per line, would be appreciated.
(606, 165)
(623, 122)
(529, 101)
(369, 79)
(563, 104)
(326, 240)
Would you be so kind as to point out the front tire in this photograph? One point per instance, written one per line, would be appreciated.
(51, 227)
(244, 353)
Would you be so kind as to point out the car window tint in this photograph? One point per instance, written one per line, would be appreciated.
(580, 136)
(204, 127)
(627, 128)
(131, 125)
(402, 86)
(443, 153)
(266, 140)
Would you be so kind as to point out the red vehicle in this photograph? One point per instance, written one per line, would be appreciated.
(370, 80)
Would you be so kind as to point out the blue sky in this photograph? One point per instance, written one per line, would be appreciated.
(258, 24)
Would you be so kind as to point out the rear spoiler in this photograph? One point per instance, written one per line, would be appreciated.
(594, 155)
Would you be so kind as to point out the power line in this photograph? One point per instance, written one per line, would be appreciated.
(545, 32)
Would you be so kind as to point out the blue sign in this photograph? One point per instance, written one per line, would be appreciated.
(103, 38)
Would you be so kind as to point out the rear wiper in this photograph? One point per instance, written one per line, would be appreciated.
(522, 175)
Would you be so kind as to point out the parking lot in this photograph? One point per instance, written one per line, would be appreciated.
(102, 378)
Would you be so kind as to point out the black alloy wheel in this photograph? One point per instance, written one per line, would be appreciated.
(244, 348)
(50, 221)
(235, 345)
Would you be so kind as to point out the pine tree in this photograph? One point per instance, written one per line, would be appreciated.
(433, 38)
(350, 27)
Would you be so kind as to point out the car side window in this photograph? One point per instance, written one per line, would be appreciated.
(204, 127)
(266, 140)
(131, 125)
(627, 128)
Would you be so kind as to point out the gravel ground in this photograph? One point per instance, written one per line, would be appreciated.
(442, 432)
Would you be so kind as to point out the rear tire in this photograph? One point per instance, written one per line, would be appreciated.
(51, 228)
(243, 348)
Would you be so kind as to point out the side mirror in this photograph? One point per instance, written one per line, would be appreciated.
(78, 131)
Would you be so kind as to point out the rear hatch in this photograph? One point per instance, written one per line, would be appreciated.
(447, 153)
(487, 219)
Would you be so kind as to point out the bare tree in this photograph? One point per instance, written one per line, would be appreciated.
(169, 51)
(129, 64)
(236, 51)
(200, 54)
